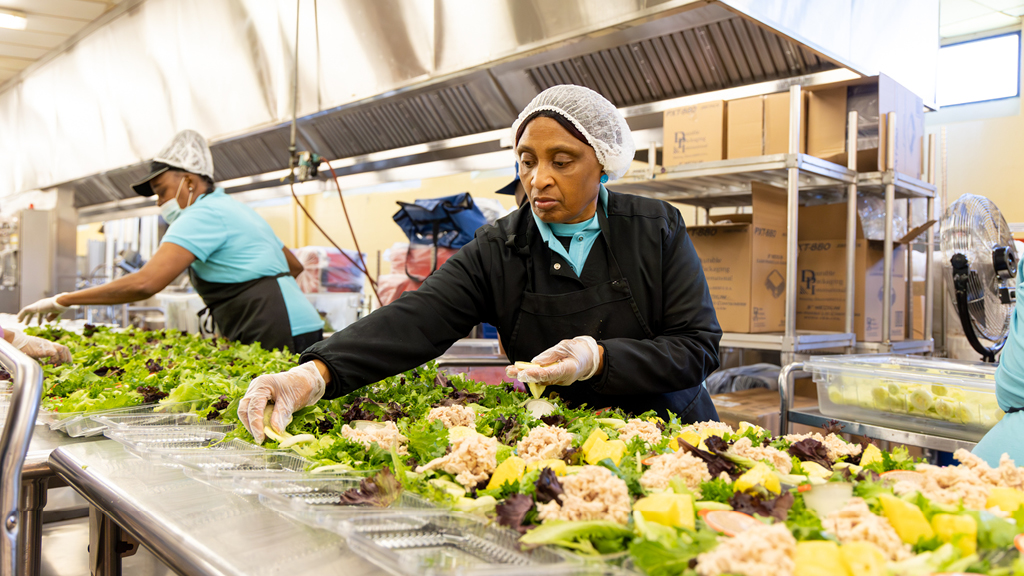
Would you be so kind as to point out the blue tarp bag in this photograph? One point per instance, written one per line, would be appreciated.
(447, 222)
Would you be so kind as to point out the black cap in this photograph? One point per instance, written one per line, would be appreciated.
(509, 188)
(142, 187)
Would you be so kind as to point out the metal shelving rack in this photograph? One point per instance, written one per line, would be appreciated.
(893, 185)
(727, 183)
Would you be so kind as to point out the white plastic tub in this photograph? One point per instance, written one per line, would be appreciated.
(950, 398)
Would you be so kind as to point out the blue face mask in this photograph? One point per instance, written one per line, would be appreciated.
(170, 211)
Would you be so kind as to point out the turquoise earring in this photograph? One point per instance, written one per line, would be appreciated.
(604, 178)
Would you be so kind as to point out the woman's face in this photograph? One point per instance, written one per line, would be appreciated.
(169, 186)
(561, 175)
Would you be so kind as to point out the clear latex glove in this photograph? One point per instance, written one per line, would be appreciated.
(47, 307)
(564, 363)
(40, 348)
(290, 391)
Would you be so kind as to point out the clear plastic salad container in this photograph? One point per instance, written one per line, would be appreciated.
(453, 544)
(163, 446)
(317, 501)
(230, 471)
(207, 425)
(950, 398)
(84, 424)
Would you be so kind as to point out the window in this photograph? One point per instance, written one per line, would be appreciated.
(979, 70)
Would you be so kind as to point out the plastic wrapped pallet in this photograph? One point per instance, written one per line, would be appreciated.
(329, 270)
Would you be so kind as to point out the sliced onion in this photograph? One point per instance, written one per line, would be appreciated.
(540, 407)
(824, 499)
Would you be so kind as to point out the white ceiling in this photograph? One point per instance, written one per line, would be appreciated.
(50, 23)
(960, 17)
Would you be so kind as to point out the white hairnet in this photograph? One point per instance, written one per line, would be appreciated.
(595, 117)
(189, 152)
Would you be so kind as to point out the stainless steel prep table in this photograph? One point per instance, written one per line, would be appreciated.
(192, 527)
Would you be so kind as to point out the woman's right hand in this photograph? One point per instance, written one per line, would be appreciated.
(289, 391)
(47, 308)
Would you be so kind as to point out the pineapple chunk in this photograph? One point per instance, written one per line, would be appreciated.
(863, 558)
(596, 435)
(818, 558)
(961, 530)
(906, 518)
(816, 470)
(456, 432)
(761, 475)
(559, 467)
(1006, 499)
(667, 508)
(509, 471)
(871, 455)
(601, 449)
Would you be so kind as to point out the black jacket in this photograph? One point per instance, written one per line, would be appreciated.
(485, 281)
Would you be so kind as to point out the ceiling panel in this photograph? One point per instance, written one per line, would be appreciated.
(54, 24)
(961, 17)
(1002, 5)
(86, 10)
(19, 51)
(47, 40)
(952, 11)
(50, 24)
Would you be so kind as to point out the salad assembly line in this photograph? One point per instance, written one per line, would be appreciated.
(432, 473)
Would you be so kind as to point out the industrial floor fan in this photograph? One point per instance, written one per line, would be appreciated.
(980, 266)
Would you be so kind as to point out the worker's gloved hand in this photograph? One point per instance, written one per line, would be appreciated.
(290, 391)
(47, 307)
(39, 347)
(564, 363)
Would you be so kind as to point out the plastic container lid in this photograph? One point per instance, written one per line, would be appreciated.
(450, 544)
(230, 471)
(162, 446)
(316, 501)
(978, 376)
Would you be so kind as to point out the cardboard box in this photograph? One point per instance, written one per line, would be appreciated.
(694, 133)
(821, 276)
(758, 406)
(745, 263)
(827, 111)
(918, 332)
(760, 125)
(776, 124)
(745, 127)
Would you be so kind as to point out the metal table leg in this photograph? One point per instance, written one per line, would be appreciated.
(30, 537)
(108, 543)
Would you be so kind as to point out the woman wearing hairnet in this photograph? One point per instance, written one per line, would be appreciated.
(603, 290)
(238, 266)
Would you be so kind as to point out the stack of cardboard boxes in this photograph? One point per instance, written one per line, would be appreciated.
(758, 126)
(744, 255)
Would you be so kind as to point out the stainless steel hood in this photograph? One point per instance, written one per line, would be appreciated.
(416, 76)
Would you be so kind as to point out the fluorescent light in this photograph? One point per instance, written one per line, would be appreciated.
(13, 20)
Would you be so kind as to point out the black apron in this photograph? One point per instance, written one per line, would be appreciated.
(603, 311)
(246, 312)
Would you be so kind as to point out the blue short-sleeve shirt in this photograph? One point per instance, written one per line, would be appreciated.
(233, 244)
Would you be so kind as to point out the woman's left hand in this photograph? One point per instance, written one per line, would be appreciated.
(40, 348)
(566, 362)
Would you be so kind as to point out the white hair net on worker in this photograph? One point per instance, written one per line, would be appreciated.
(595, 117)
(189, 152)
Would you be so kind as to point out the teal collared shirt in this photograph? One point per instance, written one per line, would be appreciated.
(583, 234)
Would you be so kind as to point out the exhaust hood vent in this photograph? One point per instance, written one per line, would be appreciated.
(719, 55)
(395, 123)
